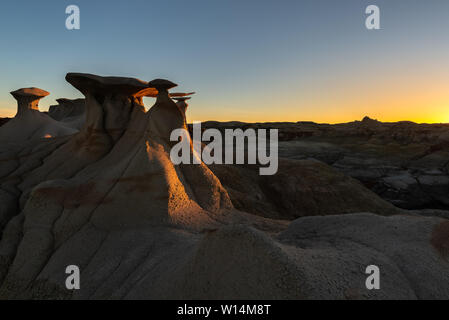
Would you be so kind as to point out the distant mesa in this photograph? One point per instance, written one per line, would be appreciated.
(370, 122)
(367, 119)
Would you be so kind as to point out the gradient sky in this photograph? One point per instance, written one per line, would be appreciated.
(248, 60)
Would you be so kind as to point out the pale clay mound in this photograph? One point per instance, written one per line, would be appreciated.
(109, 200)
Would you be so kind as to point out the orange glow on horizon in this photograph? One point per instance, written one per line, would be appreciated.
(439, 114)
(399, 98)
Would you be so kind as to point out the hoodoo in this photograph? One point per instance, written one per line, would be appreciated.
(28, 99)
(109, 102)
(72, 112)
(110, 201)
(181, 103)
(115, 175)
(29, 123)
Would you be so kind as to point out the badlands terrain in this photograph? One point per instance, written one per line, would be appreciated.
(91, 184)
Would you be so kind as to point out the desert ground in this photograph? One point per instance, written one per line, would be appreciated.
(91, 184)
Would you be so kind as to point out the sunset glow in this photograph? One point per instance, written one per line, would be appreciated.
(305, 61)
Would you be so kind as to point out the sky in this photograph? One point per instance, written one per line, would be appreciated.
(248, 60)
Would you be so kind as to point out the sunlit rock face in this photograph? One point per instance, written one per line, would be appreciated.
(29, 123)
(109, 200)
(28, 99)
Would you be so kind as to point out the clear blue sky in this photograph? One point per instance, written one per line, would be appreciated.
(252, 60)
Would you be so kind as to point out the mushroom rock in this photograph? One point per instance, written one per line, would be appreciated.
(164, 117)
(115, 175)
(180, 94)
(110, 201)
(110, 105)
(152, 93)
(28, 99)
(72, 112)
(182, 104)
(29, 123)
(109, 101)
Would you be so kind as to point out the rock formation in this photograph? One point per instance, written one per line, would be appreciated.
(109, 200)
(181, 103)
(114, 174)
(29, 123)
(72, 112)
(28, 99)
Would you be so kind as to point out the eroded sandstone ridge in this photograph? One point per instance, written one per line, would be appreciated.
(109, 200)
